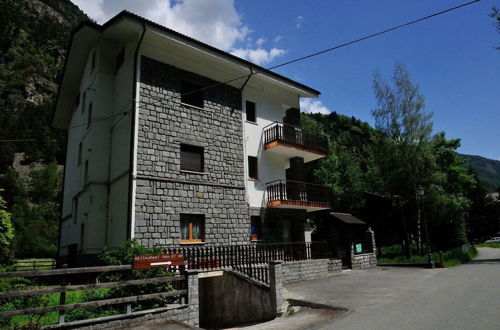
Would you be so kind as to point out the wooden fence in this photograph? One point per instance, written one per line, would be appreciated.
(35, 264)
(180, 292)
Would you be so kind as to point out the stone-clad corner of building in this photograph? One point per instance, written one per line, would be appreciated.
(163, 191)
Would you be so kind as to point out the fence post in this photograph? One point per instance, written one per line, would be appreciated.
(193, 298)
(62, 296)
(276, 285)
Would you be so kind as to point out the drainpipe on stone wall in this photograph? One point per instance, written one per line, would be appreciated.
(132, 133)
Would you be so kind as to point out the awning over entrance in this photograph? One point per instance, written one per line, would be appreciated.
(347, 218)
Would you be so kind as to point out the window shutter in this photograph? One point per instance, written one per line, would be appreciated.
(191, 158)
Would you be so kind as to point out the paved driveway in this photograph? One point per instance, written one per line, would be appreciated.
(463, 297)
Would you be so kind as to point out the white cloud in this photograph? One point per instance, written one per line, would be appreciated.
(313, 106)
(278, 39)
(299, 20)
(258, 56)
(215, 22)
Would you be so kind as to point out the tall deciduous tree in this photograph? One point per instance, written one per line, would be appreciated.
(405, 154)
(495, 14)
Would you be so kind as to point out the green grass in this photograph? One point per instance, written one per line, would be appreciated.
(393, 255)
(490, 245)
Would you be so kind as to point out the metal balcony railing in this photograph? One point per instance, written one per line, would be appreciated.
(286, 192)
(287, 134)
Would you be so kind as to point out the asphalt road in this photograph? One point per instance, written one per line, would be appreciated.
(462, 297)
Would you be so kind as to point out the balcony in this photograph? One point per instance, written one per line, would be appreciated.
(291, 142)
(298, 195)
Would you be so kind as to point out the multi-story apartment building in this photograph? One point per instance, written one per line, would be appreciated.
(172, 141)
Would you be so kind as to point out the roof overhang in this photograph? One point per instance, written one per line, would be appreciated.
(347, 218)
(81, 41)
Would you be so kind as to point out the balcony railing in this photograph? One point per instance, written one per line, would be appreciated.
(296, 194)
(288, 135)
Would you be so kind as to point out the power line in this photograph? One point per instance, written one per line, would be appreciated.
(418, 20)
(374, 35)
(252, 73)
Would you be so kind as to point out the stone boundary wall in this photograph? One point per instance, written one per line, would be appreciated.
(309, 269)
(180, 314)
(364, 261)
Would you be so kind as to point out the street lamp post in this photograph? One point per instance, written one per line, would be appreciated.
(421, 193)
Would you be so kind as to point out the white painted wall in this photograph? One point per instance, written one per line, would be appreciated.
(103, 202)
(270, 106)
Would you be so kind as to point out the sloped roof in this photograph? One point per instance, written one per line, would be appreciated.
(347, 218)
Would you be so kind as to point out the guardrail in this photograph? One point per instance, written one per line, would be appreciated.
(298, 193)
(292, 135)
(250, 259)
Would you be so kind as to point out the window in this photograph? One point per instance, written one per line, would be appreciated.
(120, 58)
(191, 158)
(86, 173)
(252, 168)
(250, 111)
(75, 209)
(77, 101)
(92, 65)
(84, 98)
(80, 154)
(256, 228)
(89, 116)
(190, 94)
(192, 228)
(82, 235)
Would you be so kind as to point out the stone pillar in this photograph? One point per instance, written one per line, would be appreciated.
(370, 230)
(193, 298)
(276, 285)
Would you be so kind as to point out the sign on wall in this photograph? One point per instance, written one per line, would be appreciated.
(158, 260)
(359, 248)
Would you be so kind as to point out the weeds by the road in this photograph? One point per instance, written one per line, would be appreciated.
(393, 255)
(490, 245)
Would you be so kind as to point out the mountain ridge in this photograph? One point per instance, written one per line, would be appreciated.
(486, 169)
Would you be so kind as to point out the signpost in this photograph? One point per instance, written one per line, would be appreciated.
(158, 260)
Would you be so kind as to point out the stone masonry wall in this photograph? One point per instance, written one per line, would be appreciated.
(364, 261)
(163, 190)
(309, 269)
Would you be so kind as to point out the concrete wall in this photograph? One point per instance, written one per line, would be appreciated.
(309, 269)
(270, 106)
(230, 300)
(102, 199)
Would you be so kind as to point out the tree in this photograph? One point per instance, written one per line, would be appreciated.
(6, 234)
(495, 14)
(404, 153)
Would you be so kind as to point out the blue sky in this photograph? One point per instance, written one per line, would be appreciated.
(452, 57)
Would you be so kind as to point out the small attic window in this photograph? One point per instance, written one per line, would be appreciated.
(120, 58)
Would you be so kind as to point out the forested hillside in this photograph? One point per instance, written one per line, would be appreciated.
(34, 36)
(487, 170)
